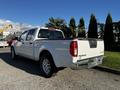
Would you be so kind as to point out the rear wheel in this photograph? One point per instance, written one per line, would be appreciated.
(46, 65)
(13, 55)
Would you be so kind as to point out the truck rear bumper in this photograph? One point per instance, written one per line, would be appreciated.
(88, 63)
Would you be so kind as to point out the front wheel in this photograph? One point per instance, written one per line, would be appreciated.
(46, 66)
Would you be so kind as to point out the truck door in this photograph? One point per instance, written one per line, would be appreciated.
(29, 44)
(20, 43)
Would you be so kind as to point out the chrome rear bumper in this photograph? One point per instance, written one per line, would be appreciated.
(88, 63)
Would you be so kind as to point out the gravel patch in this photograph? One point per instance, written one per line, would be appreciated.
(24, 75)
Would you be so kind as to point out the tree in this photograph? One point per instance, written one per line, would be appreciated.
(66, 31)
(92, 31)
(119, 26)
(57, 23)
(108, 33)
(81, 28)
(72, 26)
(10, 37)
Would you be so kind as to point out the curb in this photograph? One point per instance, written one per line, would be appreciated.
(103, 68)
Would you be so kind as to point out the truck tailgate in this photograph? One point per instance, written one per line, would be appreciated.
(90, 48)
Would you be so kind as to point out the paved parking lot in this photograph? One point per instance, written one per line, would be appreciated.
(24, 74)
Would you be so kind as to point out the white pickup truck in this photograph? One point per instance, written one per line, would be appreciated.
(52, 50)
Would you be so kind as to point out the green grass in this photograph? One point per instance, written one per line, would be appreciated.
(112, 60)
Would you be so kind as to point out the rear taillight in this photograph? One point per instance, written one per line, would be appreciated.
(74, 48)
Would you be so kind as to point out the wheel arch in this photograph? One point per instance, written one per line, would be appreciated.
(47, 52)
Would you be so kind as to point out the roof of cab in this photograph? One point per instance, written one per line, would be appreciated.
(38, 27)
(50, 28)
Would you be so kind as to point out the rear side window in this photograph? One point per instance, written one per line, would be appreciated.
(50, 34)
(58, 35)
(44, 33)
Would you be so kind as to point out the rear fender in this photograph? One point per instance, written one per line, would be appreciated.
(50, 52)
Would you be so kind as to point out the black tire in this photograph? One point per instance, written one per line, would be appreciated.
(46, 65)
(13, 55)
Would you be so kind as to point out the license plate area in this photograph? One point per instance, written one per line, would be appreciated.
(94, 62)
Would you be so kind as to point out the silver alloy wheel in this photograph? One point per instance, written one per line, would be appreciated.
(46, 66)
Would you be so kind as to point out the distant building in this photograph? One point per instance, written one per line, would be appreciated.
(8, 27)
